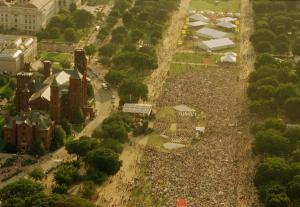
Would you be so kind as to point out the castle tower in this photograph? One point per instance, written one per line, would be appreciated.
(47, 68)
(25, 99)
(55, 104)
(75, 94)
(24, 80)
(80, 60)
(81, 65)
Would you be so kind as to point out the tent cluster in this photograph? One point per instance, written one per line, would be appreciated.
(217, 40)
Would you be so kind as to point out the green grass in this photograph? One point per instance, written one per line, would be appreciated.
(155, 140)
(195, 58)
(222, 6)
(55, 56)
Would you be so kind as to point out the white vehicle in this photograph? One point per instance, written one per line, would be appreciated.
(97, 28)
(104, 86)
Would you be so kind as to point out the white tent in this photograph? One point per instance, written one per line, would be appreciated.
(226, 25)
(211, 33)
(226, 19)
(229, 57)
(199, 17)
(197, 24)
(216, 44)
(144, 109)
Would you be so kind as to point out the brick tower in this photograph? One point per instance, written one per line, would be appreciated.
(75, 94)
(55, 104)
(24, 80)
(80, 63)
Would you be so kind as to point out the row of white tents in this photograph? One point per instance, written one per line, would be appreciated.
(218, 40)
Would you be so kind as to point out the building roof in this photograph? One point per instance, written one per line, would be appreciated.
(228, 58)
(226, 19)
(227, 25)
(10, 53)
(137, 108)
(199, 17)
(32, 118)
(215, 43)
(212, 33)
(184, 108)
(197, 24)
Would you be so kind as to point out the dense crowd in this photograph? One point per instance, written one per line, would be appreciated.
(208, 173)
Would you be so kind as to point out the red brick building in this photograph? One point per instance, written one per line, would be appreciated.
(62, 95)
(22, 129)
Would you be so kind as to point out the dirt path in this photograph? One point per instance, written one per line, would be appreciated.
(166, 50)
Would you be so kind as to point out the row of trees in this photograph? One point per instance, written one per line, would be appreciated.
(67, 24)
(98, 155)
(29, 193)
(274, 92)
(277, 26)
(131, 53)
(274, 88)
(278, 177)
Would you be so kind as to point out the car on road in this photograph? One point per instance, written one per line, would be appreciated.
(104, 86)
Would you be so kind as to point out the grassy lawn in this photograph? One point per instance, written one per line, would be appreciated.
(222, 6)
(155, 140)
(55, 56)
(195, 58)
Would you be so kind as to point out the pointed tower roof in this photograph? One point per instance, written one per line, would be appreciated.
(75, 74)
(54, 82)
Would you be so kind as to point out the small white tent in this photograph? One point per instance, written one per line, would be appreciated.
(199, 17)
(229, 57)
(226, 25)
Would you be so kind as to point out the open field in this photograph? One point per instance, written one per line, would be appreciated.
(223, 5)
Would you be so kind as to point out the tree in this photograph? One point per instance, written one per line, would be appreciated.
(70, 35)
(296, 155)
(285, 91)
(17, 192)
(53, 33)
(108, 50)
(105, 160)
(83, 18)
(272, 142)
(293, 189)
(37, 148)
(265, 91)
(67, 174)
(95, 175)
(264, 47)
(90, 50)
(277, 200)
(112, 144)
(67, 126)
(73, 7)
(271, 188)
(292, 108)
(60, 189)
(272, 170)
(115, 130)
(37, 173)
(59, 136)
(136, 35)
(282, 47)
(114, 77)
(293, 134)
(81, 146)
(134, 90)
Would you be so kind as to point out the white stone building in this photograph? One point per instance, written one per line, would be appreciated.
(15, 51)
(30, 16)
